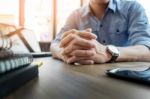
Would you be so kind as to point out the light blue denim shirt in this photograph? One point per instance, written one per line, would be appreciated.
(123, 24)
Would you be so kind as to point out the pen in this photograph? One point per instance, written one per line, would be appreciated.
(38, 63)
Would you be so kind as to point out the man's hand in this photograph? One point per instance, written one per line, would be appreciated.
(82, 47)
(98, 54)
(67, 59)
(64, 53)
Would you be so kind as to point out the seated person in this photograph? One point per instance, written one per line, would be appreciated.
(104, 31)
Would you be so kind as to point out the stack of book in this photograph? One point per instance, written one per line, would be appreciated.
(15, 68)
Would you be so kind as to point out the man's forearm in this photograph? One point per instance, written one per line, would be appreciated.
(134, 53)
(131, 53)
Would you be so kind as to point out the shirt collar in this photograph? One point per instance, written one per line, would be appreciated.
(112, 5)
(85, 10)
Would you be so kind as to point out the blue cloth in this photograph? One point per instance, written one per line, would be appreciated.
(123, 24)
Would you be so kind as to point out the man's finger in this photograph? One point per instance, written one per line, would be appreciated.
(74, 31)
(86, 62)
(86, 35)
(82, 53)
(70, 35)
(67, 39)
(76, 40)
(78, 45)
(88, 30)
(83, 42)
(74, 59)
(68, 50)
(68, 32)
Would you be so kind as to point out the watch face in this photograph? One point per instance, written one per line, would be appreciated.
(113, 49)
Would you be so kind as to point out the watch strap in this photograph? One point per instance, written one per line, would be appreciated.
(113, 59)
(113, 54)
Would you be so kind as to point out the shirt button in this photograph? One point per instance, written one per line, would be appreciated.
(101, 25)
(117, 30)
(104, 41)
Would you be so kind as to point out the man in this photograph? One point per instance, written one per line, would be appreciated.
(104, 31)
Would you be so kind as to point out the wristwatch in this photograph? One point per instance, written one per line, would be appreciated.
(114, 52)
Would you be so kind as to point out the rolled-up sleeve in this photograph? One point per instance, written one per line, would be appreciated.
(70, 24)
(139, 32)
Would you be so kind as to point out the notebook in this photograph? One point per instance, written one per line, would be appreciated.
(16, 78)
(14, 61)
(15, 67)
(10, 60)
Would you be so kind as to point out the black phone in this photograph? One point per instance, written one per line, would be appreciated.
(138, 76)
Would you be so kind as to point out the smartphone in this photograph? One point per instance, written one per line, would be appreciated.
(139, 76)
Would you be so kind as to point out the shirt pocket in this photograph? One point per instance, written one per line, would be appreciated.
(118, 34)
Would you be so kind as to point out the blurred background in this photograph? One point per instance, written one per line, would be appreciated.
(44, 17)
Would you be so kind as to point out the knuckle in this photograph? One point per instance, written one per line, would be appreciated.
(91, 62)
(86, 52)
(74, 53)
(65, 33)
(86, 42)
(73, 43)
(68, 49)
(72, 36)
(91, 44)
(73, 30)
(62, 52)
(72, 59)
(73, 47)
(90, 53)
(76, 41)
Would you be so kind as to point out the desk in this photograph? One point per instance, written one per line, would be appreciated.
(58, 80)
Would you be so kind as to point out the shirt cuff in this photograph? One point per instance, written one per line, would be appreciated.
(145, 43)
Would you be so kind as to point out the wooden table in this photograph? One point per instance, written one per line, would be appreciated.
(58, 80)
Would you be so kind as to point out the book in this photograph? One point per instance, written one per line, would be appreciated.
(5, 53)
(15, 67)
(10, 60)
(16, 78)
(14, 61)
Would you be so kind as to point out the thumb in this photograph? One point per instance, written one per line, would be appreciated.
(88, 30)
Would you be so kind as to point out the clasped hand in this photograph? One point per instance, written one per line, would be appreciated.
(81, 47)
